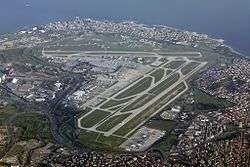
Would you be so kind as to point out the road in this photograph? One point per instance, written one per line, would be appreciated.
(51, 113)
(12, 93)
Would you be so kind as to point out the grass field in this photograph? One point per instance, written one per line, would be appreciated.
(116, 108)
(112, 122)
(87, 139)
(174, 64)
(6, 112)
(205, 101)
(114, 103)
(125, 129)
(66, 53)
(168, 72)
(16, 149)
(84, 110)
(93, 118)
(181, 55)
(164, 125)
(96, 141)
(111, 141)
(139, 102)
(137, 88)
(157, 74)
(165, 84)
(189, 67)
(33, 126)
(165, 144)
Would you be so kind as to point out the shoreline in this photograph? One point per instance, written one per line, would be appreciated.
(219, 40)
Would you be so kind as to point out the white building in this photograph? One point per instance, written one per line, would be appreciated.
(2, 77)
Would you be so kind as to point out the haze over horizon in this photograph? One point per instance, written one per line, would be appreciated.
(228, 19)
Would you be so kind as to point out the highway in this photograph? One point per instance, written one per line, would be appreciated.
(51, 112)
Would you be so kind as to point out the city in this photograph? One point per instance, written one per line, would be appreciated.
(102, 93)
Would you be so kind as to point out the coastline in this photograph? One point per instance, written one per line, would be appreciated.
(203, 35)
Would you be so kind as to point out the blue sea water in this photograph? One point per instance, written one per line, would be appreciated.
(226, 19)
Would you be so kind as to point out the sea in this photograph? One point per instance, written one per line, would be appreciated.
(223, 19)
